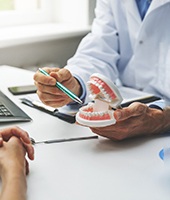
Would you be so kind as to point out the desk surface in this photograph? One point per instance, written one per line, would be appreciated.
(87, 170)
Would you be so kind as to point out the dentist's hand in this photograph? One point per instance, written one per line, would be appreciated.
(48, 93)
(136, 120)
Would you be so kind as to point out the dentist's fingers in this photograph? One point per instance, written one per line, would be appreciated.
(135, 109)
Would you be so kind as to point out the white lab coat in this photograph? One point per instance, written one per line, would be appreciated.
(122, 46)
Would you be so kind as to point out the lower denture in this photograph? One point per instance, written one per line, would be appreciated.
(89, 114)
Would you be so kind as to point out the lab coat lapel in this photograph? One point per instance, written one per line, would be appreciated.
(156, 4)
(133, 19)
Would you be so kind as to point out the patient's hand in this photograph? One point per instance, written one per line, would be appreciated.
(7, 133)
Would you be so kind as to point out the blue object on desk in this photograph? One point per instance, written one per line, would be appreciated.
(161, 154)
(164, 154)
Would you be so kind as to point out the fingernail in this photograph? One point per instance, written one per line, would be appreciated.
(118, 114)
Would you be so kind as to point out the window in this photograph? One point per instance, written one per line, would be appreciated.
(23, 12)
(78, 11)
(25, 21)
(6, 5)
(9, 5)
(19, 12)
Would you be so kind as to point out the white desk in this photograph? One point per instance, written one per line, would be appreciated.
(92, 169)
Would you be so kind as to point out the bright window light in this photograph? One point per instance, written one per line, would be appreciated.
(23, 5)
(6, 5)
(24, 12)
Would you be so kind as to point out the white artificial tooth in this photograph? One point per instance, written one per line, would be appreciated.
(81, 112)
(107, 94)
(92, 114)
(92, 96)
(108, 97)
(90, 89)
(94, 82)
(101, 114)
(89, 114)
(90, 104)
(104, 92)
(96, 114)
(100, 87)
(97, 84)
(88, 84)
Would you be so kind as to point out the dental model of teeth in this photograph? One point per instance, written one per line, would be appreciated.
(106, 96)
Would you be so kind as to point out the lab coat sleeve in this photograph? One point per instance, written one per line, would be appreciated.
(98, 51)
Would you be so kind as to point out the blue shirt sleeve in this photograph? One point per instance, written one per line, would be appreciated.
(160, 104)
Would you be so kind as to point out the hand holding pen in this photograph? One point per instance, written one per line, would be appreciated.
(52, 87)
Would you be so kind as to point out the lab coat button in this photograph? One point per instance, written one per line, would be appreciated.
(140, 42)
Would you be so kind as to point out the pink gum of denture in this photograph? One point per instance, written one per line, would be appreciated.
(106, 96)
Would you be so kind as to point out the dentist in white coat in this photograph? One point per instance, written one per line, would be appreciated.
(128, 43)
